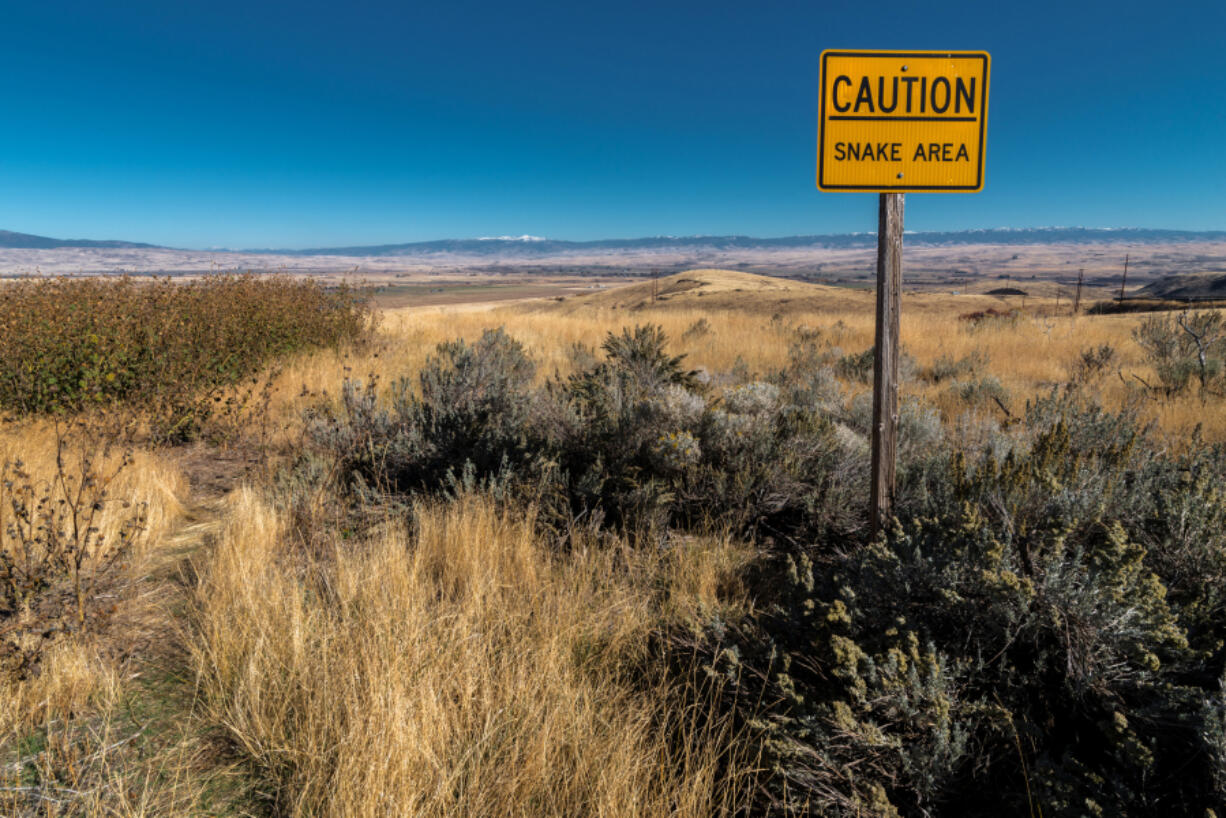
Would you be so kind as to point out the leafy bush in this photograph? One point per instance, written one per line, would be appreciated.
(172, 348)
(977, 391)
(1091, 364)
(634, 440)
(1044, 633)
(473, 407)
(55, 549)
(946, 368)
(859, 366)
(919, 426)
(699, 329)
(1183, 346)
(1041, 630)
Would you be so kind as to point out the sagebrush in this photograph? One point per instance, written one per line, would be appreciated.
(1041, 628)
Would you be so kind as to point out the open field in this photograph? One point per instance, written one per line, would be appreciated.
(941, 263)
(397, 293)
(651, 590)
(754, 320)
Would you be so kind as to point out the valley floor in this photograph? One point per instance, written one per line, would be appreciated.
(270, 652)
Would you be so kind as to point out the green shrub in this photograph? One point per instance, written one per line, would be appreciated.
(1044, 632)
(980, 390)
(859, 366)
(1091, 364)
(946, 368)
(634, 440)
(1184, 346)
(809, 377)
(473, 407)
(167, 347)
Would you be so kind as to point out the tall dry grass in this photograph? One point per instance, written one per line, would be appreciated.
(76, 734)
(1029, 355)
(462, 669)
(152, 478)
(82, 740)
(80, 521)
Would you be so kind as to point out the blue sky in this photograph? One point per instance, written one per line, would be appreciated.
(299, 124)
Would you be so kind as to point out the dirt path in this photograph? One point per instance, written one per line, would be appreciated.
(137, 747)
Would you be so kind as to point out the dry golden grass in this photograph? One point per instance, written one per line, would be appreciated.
(1029, 355)
(151, 479)
(73, 740)
(149, 482)
(462, 670)
(79, 741)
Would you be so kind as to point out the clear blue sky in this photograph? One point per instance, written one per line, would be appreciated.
(297, 124)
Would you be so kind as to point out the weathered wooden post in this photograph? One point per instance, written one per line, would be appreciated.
(885, 357)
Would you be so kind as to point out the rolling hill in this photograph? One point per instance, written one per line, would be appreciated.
(1192, 286)
(749, 292)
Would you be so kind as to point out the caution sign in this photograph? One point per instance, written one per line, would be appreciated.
(900, 121)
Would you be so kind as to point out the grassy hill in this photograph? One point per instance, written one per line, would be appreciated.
(1191, 286)
(716, 289)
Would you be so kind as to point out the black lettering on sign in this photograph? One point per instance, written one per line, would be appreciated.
(909, 81)
(885, 97)
(940, 106)
(962, 92)
(881, 96)
(834, 93)
(865, 96)
(868, 151)
(940, 152)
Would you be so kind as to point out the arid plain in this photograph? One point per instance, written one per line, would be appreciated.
(308, 625)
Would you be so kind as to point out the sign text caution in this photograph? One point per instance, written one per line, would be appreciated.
(901, 121)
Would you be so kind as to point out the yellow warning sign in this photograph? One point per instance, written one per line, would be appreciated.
(900, 121)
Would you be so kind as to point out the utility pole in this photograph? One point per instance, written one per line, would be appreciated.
(655, 284)
(1124, 280)
(885, 357)
(1081, 274)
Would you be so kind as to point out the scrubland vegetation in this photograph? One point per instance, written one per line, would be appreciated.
(566, 559)
(170, 351)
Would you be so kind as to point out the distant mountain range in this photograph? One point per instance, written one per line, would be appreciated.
(535, 247)
(27, 241)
